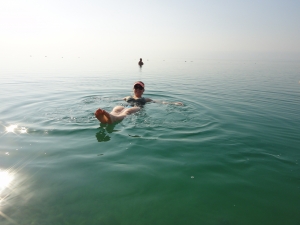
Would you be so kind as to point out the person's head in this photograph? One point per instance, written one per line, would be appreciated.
(140, 59)
(138, 88)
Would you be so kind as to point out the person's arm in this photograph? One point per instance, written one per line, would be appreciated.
(163, 102)
(149, 100)
(125, 98)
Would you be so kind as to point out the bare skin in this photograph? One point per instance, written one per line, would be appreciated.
(117, 114)
(103, 116)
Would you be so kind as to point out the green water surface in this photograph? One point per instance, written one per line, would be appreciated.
(229, 156)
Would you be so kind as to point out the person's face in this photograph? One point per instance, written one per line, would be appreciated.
(138, 90)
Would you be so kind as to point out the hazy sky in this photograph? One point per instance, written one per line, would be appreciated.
(128, 28)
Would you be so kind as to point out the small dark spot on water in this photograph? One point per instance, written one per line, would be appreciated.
(100, 154)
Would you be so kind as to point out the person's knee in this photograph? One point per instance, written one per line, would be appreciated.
(118, 109)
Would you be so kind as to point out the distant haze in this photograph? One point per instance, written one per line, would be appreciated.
(111, 30)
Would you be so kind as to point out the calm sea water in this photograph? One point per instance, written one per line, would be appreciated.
(229, 156)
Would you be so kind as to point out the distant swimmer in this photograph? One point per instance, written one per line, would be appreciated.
(135, 103)
(141, 62)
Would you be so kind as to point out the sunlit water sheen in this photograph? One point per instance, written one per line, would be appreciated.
(229, 156)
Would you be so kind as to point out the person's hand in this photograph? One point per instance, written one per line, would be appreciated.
(178, 103)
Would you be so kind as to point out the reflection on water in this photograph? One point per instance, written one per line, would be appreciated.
(102, 136)
(104, 130)
(15, 129)
(5, 180)
(11, 128)
(8, 175)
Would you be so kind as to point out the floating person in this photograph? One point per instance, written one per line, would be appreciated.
(135, 103)
(141, 62)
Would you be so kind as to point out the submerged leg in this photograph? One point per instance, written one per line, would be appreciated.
(128, 111)
(117, 110)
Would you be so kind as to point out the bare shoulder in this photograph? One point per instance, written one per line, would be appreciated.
(125, 98)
